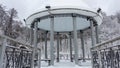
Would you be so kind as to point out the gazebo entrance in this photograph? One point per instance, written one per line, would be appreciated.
(71, 19)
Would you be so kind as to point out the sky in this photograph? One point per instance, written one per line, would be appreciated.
(23, 6)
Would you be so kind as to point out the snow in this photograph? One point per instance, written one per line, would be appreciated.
(67, 64)
(63, 7)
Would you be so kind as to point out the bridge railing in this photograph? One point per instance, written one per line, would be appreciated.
(12, 56)
(106, 54)
(17, 58)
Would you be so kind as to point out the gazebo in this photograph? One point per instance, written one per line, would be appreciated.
(64, 16)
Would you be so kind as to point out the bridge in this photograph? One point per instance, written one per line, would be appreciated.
(55, 20)
(104, 55)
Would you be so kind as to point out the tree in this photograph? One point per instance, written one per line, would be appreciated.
(3, 16)
(12, 13)
(118, 16)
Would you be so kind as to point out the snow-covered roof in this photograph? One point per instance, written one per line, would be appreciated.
(64, 7)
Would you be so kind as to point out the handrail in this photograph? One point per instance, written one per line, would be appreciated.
(18, 41)
(17, 48)
(104, 52)
(106, 42)
(4, 45)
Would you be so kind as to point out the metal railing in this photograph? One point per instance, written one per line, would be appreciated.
(17, 58)
(12, 56)
(106, 54)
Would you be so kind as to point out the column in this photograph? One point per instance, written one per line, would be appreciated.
(52, 40)
(58, 47)
(70, 41)
(82, 43)
(96, 32)
(35, 42)
(75, 38)
(45, 36)
(31, 36)
(39, 59)
(92, 32)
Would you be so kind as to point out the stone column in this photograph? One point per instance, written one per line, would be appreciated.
(70, 41)
(52, 40)
(82, 43)
(45, 36)
(31, 36)
(35, 42)
(58, 47)
(75, 38)
(97, 35)
(92, 32)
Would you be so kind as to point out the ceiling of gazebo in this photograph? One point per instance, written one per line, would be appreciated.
(65, 23)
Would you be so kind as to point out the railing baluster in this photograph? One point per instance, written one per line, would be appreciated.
(14, 57)
(108, 54)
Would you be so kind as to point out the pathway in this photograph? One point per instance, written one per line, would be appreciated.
(67, 64)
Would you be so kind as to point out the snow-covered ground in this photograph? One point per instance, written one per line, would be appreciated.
(67, 64)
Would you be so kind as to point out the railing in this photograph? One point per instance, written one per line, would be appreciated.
(106, 54)
(17, 58)
(12, 56)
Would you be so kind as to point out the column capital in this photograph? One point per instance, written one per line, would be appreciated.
(57, 33)
(32, 25)
(36, 20)
(74, 15)
(96, 24)
(46, 32)
(70, 33)
(48, 7)
(89, 18)
(81, 31)
(51, 16)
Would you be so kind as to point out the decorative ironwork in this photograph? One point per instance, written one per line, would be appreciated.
(17, 58)
(107, 53)
(106, 58)
(17, 54)
(95, 59)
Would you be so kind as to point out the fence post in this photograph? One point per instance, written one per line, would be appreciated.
(99, 58)
(2, 52)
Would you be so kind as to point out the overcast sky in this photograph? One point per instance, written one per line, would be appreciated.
(23, 6)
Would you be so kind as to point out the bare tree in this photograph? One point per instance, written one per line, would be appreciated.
(12, 13)
(118, 16)
(3, 16)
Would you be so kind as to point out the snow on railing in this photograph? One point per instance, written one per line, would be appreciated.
(106, 54)
(12, 56)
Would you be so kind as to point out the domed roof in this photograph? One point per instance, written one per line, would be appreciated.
(67, 4)
(64, 7)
